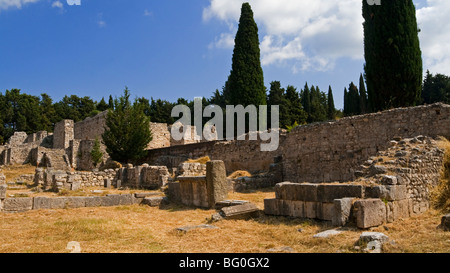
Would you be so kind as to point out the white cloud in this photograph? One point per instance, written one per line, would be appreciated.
(6, 4)
(313, 35)
(434, 22)
(306, 35)
(57, 4)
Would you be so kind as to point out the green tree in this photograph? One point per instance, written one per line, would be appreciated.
(245, 85)
(305, 97)
(102, 105)
(393, 68)
(96, 153)
(363, 106)
(436, 88)
(294, 110)
(331, 109)
(127, 132)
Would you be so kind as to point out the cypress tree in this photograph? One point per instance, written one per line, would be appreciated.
(353, 100)
(346, 102)
(393, 68)
(305, 97)
(331, 113)
(363, 96)
(245, 84)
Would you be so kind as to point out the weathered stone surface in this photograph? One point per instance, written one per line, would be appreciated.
(229, 203)
(342, 211)
(369, 213)
(325, 211)
(271, 206)
(94, 201)
(193, 191)
(374, 241)
(311, 210)
(146, 194)
(296, 191)
(174, 192)
(328, 193)
(17, 204)
(327, 233)
(189, 228)
(389, 180)
(75, 202)
(242, 211)
(445, 222)
(3, 189)
(398, 210)
(154, 201)
(390, 192)
(216, 182)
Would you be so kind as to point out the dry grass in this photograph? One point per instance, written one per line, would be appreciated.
(201, 160)
(441, 194)
(15, 171)
(238, 174)
(142, 229)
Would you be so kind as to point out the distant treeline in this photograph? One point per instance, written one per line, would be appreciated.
(30, 114)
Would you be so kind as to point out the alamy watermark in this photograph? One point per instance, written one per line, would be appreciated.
(74, 2)
(213, 129)
(374, 2)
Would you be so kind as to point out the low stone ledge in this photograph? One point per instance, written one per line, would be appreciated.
(154, 201)
(17, 204)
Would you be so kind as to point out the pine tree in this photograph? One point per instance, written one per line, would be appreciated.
(294, 110)
(245, 85)
(127, 132)
(393, 68)
(102, 105)
(331, 113)
(96, 153)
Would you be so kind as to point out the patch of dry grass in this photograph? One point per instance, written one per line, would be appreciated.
(238, 174)
(15, 171)
(201, 160)
(143, 229)
(441, 194)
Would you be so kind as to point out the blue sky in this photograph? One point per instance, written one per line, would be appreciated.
(177, 48)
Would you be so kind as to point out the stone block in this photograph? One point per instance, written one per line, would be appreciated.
(173, 192)
(216, 182)
(107, 183)
(389, 180)
(296, 192)
(272, 206)
(325, 211)
(328, 193)
(111, 200)
(311, 210)
(229, 203)
(154, 201)
(397, 210)
(445, 222)
(369, 213)
(17, 204)
(294, 208)
(342, 211)
(3, 189)
(75, 185)
(94, 201)
(240, 212)
(390, 192)
(75, 202)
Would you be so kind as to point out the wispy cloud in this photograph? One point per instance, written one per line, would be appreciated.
(148, 13)
(101, 23)
(6, 4)
(57, 4)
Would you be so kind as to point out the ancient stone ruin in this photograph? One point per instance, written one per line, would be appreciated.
(366, 170)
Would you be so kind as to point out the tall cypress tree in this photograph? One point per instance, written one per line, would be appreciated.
(331, 113)
(363, 96)
(393, 68)
(245, 84)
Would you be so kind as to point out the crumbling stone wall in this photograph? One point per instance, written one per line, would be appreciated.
(63, 134)
(332, 151)
(394, 184)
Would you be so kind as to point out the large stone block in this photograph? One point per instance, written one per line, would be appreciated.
(297, 192)
(94, 201)
(369, 213)
(216, 182)
(328, 193)
(398, 210)
(342, 211)
(325, 211)
(272, 206)
(244, 211)
(311, 210)
(18, 204)
(3, 189)
(390, 193)
(75, 202)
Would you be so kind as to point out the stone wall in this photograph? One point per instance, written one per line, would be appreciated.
(332, 151)
(394, 184)
(63, 134)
